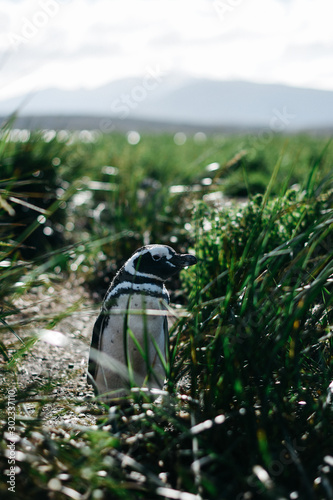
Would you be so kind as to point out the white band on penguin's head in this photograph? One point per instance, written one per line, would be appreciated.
(154, 250)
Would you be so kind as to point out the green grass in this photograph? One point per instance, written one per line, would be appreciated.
(246, 413)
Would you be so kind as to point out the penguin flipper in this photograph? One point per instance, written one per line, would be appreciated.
(95, 344)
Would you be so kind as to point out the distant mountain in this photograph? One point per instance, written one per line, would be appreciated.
(188, 101)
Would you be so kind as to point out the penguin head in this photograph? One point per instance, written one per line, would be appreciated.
(158, 262)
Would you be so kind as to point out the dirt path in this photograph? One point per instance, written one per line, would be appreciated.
(62, 315)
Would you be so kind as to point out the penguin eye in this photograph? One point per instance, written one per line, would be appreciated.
(156, 257)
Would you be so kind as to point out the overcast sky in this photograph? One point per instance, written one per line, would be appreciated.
(87, 43)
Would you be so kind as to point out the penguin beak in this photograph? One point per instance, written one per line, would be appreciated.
(183, 260)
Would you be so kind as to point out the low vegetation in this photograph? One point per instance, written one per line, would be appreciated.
(248, 408)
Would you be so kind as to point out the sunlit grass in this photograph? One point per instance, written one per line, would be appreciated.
(245, 412)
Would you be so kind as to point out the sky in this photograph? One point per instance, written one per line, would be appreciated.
(87, 43)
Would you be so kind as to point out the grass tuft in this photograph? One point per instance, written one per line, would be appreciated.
(248, 408)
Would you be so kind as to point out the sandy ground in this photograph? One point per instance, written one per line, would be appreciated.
(62, 317)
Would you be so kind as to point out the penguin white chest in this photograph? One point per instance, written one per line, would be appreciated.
(135, 335)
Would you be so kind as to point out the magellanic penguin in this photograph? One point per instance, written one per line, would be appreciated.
(129, 341)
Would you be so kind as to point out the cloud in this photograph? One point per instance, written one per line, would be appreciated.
(75, 43)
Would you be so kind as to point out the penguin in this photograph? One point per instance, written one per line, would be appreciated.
(130, 337)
